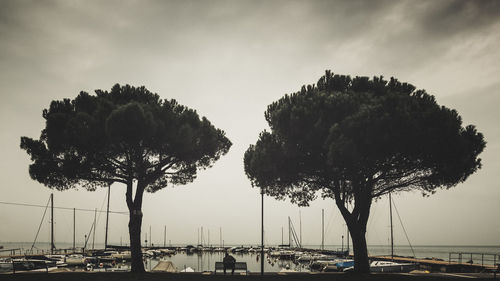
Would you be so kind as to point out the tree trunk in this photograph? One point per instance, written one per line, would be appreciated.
(356, 222)
(134, 228)
(134, 225)
(361, 263)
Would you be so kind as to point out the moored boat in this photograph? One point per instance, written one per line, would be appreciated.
(389, 266)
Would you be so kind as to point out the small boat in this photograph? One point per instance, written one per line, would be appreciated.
(324, 265)
(187, 269)
(164, 266)
(32, 264)
(5, 265)
(167, 252)
(389, 266)
(286, 270)
(339, 265)
(283, 254)
(126, 255)
(338, 253)
(75, 260)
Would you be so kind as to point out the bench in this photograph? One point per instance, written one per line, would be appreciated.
(237, 266)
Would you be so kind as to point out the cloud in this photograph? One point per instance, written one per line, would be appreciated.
(458, 17)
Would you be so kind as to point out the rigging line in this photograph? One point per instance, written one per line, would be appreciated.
(404, 230)
(294, 235)
(102, 206)
(40, 226)
(329, 220)
(88, 236)
(61, 208)
(93, 225)
(96, 221)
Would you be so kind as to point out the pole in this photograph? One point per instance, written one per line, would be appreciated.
(289, 235)
(342, 243)
(282, 242)
(93, 234)
(392, 237)
(107, 220)
(220, 236)
(150, 242)
(52, 246)
(347, 239)
(323, 229)
(300, 227)
(164, 236)
(198, 236)
(347, 230)
(208, 238)
(74, 228)
(262, 234)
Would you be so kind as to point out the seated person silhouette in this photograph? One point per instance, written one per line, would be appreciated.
(229, 262)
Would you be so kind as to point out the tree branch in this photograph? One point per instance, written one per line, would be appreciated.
(128, 195)
(406, 183)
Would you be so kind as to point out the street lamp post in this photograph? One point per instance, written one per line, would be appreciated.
(262, 234)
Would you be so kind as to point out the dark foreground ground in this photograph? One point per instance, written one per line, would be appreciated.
(115, 276)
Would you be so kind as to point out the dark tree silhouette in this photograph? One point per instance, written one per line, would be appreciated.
(128, 135)
(356, 139)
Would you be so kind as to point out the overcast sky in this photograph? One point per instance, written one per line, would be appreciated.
(229, 60)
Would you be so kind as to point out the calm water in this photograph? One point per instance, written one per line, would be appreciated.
(206, 261)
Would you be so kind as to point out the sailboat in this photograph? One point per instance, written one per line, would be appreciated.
(389, 266)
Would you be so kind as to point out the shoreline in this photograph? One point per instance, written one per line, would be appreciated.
(125, 276)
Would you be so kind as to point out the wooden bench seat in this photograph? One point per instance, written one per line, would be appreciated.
(237, 266)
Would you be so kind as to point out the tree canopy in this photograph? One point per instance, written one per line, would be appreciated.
(355, 139)
(127, 135)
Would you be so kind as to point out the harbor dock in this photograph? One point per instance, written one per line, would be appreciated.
(436, 265)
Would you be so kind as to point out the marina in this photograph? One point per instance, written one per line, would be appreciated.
(203, 259)
(291, 257)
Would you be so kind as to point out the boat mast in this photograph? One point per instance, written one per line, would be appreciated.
(300, 227)
(107, 220)
(347, 230)
(322, 229)
(262, 234)
(392, 235)
(282, 241)
(289, 234)
(52, 246)
(74, 227)
(93, 234)
(347, 240)
(164, 236)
